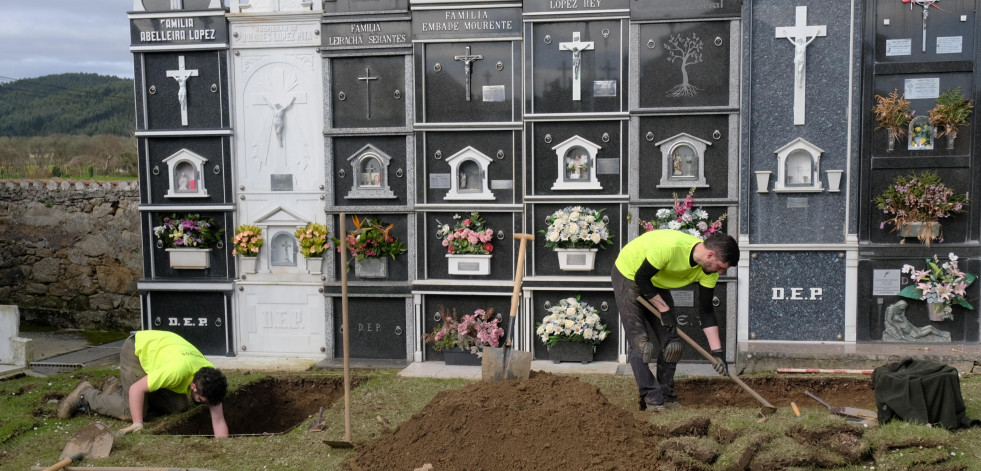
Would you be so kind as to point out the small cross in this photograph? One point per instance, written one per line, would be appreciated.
(926, 4)
(576, 46)
(181, 75)
(467, 60)
(800, 35)
(367, 90)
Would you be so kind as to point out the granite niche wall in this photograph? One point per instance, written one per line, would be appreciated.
(70, 252)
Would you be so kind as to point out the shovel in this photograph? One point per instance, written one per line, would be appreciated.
(854, 412)
(767, 407)
(504, 362)
(92, 441)
(346, 345)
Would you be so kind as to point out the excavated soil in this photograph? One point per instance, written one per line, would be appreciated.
(552, 422)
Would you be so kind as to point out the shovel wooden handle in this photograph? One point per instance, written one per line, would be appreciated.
(65, 462)
(767, 407)
(519, 270)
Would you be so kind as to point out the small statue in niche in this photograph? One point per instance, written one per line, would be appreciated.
(676, 165)
(899, 329)
(463, 181)
(182, 182)
(370, 176)
(576, 167)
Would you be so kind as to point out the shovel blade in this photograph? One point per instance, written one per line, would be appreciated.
(92, 441)
(505, 363)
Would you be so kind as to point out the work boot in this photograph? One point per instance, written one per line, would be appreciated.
(112, 385)
(656, 408)
(73, 401)
(672, 405)
(673, 350)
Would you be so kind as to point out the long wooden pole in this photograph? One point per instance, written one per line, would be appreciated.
(344, 330)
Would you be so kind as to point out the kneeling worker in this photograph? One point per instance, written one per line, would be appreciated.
(160, 372)
(650, 266)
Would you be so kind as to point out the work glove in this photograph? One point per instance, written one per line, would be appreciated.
(720, 367)
(136, 427)
(668, 319)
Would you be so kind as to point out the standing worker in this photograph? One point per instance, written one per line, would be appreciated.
(650, 266)
(161, 372)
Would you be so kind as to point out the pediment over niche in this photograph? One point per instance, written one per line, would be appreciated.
(185, 175)
(576, 160)
(683, 161)
(369, 174)
(798, 167)
(469, 175)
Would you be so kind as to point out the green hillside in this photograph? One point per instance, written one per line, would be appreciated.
(74, 104)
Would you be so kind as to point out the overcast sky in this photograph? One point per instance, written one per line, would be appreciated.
(42, 37)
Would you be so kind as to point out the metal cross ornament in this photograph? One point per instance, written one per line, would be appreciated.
(926, 4)
(467, 69)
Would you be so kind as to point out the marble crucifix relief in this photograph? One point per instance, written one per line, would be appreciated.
(468, 59)
(576, 46)
(181, 75)
(800, 35)
(275, 90)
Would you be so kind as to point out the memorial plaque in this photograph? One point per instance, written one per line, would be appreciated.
(281, 320)
(483, 21)
(923, 33)
(606, 308)
(160, 188)
(352, 154)
(679, 9)
(787, 303)
(185, 90)
(377, 328)
(148, 33)
(573, 7)
(568, 58)
(483, 156)
(502, 256)
(275, 34)
(368, 92)
(367, 34)
(544, 140)
(715, 163)
(281, 182)
(203, 318)
(455, 77)
(685, 64)
(345, 7)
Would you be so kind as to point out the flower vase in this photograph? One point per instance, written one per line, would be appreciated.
(376, 267)
(571, 351)
(468, 264)
(457, 356)
(925, 230)
(315, 265)
(576, 259)
(190, 259)
(935, 312)
(892, 141)
(247, 265)
(950, 140)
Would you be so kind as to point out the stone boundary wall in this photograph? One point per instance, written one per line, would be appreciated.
(70, 252)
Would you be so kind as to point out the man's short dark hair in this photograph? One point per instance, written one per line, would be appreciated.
(212, 385)
(724, 246)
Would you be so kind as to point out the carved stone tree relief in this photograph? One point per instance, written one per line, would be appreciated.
(185, 170)
(276, 140)
(369, 170)
(685, 51)
(576, 158)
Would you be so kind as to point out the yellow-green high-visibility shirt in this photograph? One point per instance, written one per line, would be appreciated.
(668, 251)
(169, 361)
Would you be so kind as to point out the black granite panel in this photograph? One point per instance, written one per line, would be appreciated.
(655, 129)
(377, 328)
(172, 31)
(368, 91)
(784, 303)
(552, 72)
(139, 92)
(468, 82)
(546, 262)
(955, 228)
(222, 261)
(433, 255)
(674, 9)
(392, 146)
(948, 38)
(216, 173)
(606, 308)
(168, 5)
(610, 136)
(360, 6)
(478, 21)
(204, 93)
(462, 305)
(684, 64)
(398, 268)
(885, 84)
(378, 33)
(200, 317)
(879, 281)
(501, 146)
(574, 7)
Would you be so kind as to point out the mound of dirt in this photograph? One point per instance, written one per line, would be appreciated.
(548, 422)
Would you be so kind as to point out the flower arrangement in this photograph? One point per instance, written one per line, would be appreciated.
(576, 227)
(571, 320)
(918, 197)
(577, 165)
(953, 109)
(371, 238)
(471, 333)
(921, 134)
(685, 218)
(188, 231)
(893, 113)
(313, 239)
(941, 283)
(469, 236)
(247, 240)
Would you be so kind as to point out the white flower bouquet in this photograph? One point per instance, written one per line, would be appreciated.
(576, 227)
(571, 320)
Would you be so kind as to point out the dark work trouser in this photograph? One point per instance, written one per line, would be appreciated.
(163, 401)
(636, 319)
